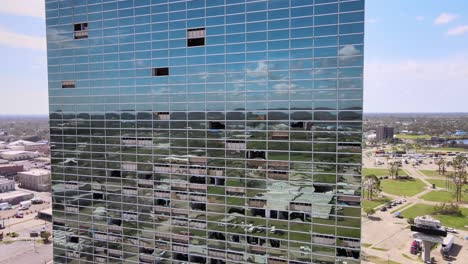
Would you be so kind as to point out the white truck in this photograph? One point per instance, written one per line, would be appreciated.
(447, 243)
(4, 206)
(24, 205)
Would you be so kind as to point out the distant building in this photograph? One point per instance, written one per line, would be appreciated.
(384, 133)
(18, 155)
(36, 180)
(10, 169)
(6, 185)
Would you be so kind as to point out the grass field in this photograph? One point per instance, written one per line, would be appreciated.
(447, 220)
(380, 172)
(412, 137)
(402, 187)
(442, 196)
(434, 173)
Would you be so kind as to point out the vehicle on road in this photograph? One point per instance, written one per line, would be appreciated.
(447, 244)
(5, 206)
(416, 247)
(19, 215)
(383, 209)
(37, 200)
(24, 205)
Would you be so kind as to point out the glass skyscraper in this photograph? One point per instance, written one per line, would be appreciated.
(206, 131)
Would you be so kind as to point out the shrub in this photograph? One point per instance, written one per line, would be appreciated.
(448, 209)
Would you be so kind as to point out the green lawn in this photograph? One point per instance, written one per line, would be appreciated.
(402, 187)
(380, 172)
(441, 184)
(442, 196)
(447, 220)
(433, 173)
(375, 202)
(412, 137)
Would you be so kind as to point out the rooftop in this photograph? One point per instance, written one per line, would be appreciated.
(36, 172)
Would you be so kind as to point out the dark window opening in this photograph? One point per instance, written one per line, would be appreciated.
(160, 71)
(297, 125)
(68, 84)
(196, 42)
(296, 215)
(256, 154)
(237, 210)
(216, 235)
(322, 188)
(73, 239)
(116, 222)
(145, 250)
(198, 206)
(180, 256)
(98, 196)
(217, 125)
(196, 179)
(163, 202)
(235, 238)
(196, 37)
(115, 174)
(217, 261)
(257, 212)
(197, 259)
(255, 240)
(217, 181)
(275, 243)
(80, 30)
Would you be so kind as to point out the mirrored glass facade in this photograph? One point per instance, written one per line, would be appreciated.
(206, 131)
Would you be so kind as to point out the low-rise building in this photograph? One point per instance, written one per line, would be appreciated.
(36, 180)
(6, 185)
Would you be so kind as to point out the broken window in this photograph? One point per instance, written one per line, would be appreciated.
(217, 125)
(80, 30)
(160, 71)
(256, 154)
(68, 84)
(196, 37)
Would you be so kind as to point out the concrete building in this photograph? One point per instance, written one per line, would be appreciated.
(6, 185)
(35, 179)
(384, 133)
(206, 131)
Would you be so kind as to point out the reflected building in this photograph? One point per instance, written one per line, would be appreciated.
(206, 131)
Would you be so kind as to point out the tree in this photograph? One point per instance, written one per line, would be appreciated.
(369, 211)
(459, 164)
(441, 163)
(371, 185)
(45, 236)
(394, 168)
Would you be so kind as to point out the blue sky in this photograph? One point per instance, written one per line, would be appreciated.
(416, 56)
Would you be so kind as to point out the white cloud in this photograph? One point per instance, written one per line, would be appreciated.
(445, 18)
(348, 50)
(261, 70)
(456, 31)
(417, 85)
(420, 18)
(17, 40)
(31, 8)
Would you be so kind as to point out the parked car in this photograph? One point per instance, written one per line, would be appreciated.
(19, 215)
(451, 230)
